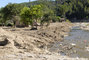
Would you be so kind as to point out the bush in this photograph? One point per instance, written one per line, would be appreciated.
(86, 17)
(9, 24)
(0, 24)
(56, 19)
(67, 20)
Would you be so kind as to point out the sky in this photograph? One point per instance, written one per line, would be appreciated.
(5, 2)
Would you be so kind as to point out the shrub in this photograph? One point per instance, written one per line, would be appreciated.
(9, 24)
(56, 19)
(67, 20)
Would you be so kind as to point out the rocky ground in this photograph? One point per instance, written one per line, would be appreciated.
(32, 56)
(26, 44)
(83, 26)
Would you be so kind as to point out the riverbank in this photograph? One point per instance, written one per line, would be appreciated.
(32, 56)
(83, 26)
(79, 39)
(25, 44)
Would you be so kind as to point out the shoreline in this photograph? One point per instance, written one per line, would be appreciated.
(36, 46)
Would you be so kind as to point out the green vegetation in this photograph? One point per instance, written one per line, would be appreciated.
(44, 11)
(31, 15)
(11, 12)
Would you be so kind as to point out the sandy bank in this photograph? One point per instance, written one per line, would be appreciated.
(21, 40)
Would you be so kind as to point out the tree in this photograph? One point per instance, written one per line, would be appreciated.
(62, 10)
(11, 11)
(47, 18)
(31, 15)
(25, 16)
(60, 1)
(36, 12)
(2, 21)
(79, 9)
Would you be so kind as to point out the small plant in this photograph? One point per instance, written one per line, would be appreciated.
(87, 24)
(58, 18)
(67, 20)
(86, 17)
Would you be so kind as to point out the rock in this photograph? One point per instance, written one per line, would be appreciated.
(4, 42)
(73, 44)
(75, 51)
(87, 48)
(60, 44)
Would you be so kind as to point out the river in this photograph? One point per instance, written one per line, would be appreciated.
(74, 45)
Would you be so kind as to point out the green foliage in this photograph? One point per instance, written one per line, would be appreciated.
(1, 18)
(63, 9)
(31, 15)
(67, 20)
(10, 11)
(47, 17)
(9, 24)
(80, 9)
(36, 11)
(72, 8)
(57, 18)
(87, 17)
(45, 11)
(25, 15)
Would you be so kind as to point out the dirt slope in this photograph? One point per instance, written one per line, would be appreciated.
(20, 40)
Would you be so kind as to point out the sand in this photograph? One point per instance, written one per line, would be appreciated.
(22, 43)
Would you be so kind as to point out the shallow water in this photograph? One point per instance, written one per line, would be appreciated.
(78, 37)
(81, 39)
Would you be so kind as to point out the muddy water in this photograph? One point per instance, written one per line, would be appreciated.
(79, 38)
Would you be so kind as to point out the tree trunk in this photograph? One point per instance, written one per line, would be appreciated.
(36, 23)
(14, 24)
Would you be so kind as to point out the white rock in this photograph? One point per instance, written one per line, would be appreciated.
(87, 48)
(73, 44)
